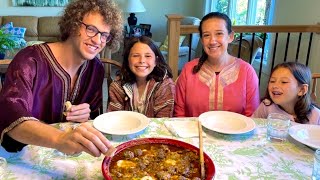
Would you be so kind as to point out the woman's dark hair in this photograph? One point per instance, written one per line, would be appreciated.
(72, 17)
(160, 70)
(302, 74)
(211, 15)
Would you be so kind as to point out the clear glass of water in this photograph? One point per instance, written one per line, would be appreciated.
(316, 165)
(277, 127)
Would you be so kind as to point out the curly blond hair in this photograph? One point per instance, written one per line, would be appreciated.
(76, 10)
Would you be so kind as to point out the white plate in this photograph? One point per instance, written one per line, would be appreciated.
(121, 122)
(227, 122)
(306, 134)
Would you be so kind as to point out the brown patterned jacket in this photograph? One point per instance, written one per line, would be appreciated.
(159, 99)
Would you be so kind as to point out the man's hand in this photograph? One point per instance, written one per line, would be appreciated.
(83, 138)
(78, 113)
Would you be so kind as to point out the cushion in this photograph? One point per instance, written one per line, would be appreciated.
(8, 25)
(19, 42)
(31, 43)
(15, 31)
(164, 46)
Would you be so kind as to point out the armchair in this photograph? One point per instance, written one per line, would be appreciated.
(188, 43)
(246, 47)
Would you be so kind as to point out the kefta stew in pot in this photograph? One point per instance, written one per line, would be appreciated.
(155, 161)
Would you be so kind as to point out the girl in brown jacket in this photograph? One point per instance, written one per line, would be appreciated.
(145, 85)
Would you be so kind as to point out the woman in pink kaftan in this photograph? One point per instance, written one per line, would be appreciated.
(216, 80)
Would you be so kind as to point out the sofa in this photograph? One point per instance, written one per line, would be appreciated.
(246, 47)
(42, 29)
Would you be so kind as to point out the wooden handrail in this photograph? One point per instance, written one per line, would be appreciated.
(175, 29)
(278, 28)
(188, 29)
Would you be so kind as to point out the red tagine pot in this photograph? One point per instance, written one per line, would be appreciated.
(210, 168)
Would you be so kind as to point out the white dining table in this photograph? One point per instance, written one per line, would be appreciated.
(244, 156)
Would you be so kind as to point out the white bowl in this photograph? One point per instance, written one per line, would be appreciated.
(121, 122)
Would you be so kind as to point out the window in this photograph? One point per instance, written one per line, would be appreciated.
(243, 12)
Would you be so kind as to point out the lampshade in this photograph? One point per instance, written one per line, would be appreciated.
(133, 6)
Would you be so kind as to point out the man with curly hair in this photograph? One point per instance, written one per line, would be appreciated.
(41, 78)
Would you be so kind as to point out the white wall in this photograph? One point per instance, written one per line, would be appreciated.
(297, 12)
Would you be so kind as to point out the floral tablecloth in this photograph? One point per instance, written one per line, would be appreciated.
(246, 156)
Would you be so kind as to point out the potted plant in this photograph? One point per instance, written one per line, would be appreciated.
(6, 43)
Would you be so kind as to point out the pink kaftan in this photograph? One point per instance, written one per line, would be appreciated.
(234, 89)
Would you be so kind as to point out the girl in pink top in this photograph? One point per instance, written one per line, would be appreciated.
(216, 81)
(288, 93)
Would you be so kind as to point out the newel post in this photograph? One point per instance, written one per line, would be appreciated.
(173, 42)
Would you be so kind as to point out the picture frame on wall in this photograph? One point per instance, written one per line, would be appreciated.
(41, 3)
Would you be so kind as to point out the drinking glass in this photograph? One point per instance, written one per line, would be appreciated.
(277, 127)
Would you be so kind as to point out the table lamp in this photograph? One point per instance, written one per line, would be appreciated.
(133, 6)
